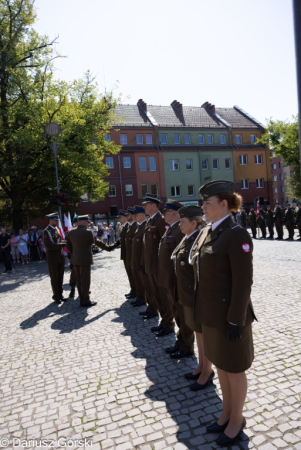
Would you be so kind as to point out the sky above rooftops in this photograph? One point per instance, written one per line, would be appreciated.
(227, 52)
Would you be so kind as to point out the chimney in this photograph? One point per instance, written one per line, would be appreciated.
(141, 103)
(177, 107)
(212, 108)
(204, 105)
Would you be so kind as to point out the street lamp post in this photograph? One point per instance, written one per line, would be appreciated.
(53, 129)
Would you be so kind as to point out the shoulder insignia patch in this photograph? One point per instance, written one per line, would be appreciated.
(246, 248)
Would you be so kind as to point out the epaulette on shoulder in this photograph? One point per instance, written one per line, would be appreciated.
(235, 225)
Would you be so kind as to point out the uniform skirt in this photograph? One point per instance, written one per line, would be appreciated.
(230, 356)
(189, 319)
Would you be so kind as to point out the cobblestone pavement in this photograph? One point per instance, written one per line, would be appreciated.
(101, 375)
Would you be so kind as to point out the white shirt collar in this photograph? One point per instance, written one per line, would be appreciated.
(154, 215)
(143, 221)
(134, 221)
(123, 225)
(218, 222)
(177, 221)
(187, 237)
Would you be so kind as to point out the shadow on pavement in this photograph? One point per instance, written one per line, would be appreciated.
(190, 411)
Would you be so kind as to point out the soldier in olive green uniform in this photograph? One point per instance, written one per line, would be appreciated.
(79, 244)
(270, 221)
(289, 221)
(298, 218)
(222, 259)
(54, 256)
(166, 278)
(261, 221)
(122, 217)
(252, 219)
(243, 218)
(142, 285)
(72, 280)
(278, 221)
(154, 230)
(132, 226)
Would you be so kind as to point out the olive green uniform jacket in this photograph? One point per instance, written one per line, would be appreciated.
(169, 241)
(154, 230)
(224, 275)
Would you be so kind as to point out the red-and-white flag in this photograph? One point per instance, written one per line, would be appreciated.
(67, 222)
(61, 229)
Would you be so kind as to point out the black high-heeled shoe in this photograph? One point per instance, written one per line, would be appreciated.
(197, 386)
(190, 376)
(216, 428)
(223, 440)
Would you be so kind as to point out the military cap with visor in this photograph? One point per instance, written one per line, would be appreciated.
(54, 216)
(152, 198)
(82, 218)
(122, 212)
(139, 209)
(216, 187)
(172, 204)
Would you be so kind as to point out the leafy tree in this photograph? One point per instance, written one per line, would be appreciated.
(31, 98)
(283, 139)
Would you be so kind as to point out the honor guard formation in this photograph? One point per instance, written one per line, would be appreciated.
(188, 267)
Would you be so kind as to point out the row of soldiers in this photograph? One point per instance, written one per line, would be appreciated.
(148, 239)
(268, 218)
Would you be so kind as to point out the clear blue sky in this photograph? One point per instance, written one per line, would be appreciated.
(227, 52)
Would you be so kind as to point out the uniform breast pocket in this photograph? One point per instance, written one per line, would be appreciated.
(216, 259)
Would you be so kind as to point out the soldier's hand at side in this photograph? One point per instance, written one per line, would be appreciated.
(233, 332)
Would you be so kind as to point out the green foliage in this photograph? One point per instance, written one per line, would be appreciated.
(283, 138)
(29, 99)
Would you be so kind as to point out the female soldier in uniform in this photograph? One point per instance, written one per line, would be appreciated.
(222, 302)
(190, 221)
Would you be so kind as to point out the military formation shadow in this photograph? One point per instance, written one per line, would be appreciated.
(190, 411)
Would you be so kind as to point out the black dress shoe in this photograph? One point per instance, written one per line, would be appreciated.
(57, 301)
(143, 313)
(181, 354)
(138, 303)
(149, 316)
(190, 376)
(89, 305)
(63, 299)
(224, 441)
(173, 349)
(197, 386)
(164, 332)
(156, 328)
(72, 293)
(216, 428)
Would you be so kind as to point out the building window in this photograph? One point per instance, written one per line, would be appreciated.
(154, 188)
(259, 182)
(128, 190)
(205, 164)
(176, 139)
(163, 139)
(253, 139)
(139, 139)
(273, 155)
(110, 162)
(108, 137)
(238, 139)
(258, 159)
(175, 191)
(228, 164)
(148, 139)
(123, 139)
(152, 163)
(279, 165)
(143, 190)
(191, 190)
(243, 160)
(210, 139)
(222, 139)
(201, 139)
(187, 139)
(274, 166)
(126, 162)
(215, 164)
(112, 190)
(245, 184)
(275, 190)
(188, 164)
(142, 164)
(174, 164)
(275, 177)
